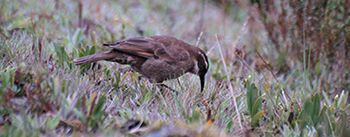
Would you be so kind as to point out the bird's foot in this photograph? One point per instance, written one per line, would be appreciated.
(166, 89)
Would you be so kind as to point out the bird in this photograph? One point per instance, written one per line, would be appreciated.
(157, 58)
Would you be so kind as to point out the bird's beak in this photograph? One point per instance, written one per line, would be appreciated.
(201, 77)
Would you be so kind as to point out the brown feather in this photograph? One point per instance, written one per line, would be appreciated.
(157, 58)
(94, 58)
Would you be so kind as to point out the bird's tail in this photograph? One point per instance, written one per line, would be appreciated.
(93, 58)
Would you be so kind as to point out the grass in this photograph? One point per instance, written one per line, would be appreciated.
(285, 91)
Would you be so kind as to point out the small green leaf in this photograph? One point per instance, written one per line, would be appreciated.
(57, 88)
(255, 119)
(342, 100)
(97, 112)
(320, 116)
(4, 81)
(117, 80)
(256, 106)
(92, 101)
(53, 123)
(335, 127)
(252, 96)
(6, 129)
(316, 108)
(93, 38)
(64, 54)
(226, 102)
(20, 22)
(147, 96)
(81, 54)
(75, 53)
(57, 50)
(343, 120)
(229, 126)
(318, 68)
(124, 77)
(343, 125)
(92, 50)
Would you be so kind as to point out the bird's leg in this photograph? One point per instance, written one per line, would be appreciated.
(166, 88)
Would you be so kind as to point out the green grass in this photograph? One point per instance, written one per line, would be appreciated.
(43, 93)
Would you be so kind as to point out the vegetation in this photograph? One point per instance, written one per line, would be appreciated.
(292, 80)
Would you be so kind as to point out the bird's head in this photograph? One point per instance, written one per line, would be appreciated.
(203, 66)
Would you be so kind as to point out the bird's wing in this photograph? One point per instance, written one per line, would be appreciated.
(135, 46)
(148, 47)
(172, 54)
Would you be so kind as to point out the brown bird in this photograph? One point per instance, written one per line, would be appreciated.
(157, 58)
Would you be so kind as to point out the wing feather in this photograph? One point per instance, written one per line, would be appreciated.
(168, 49)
